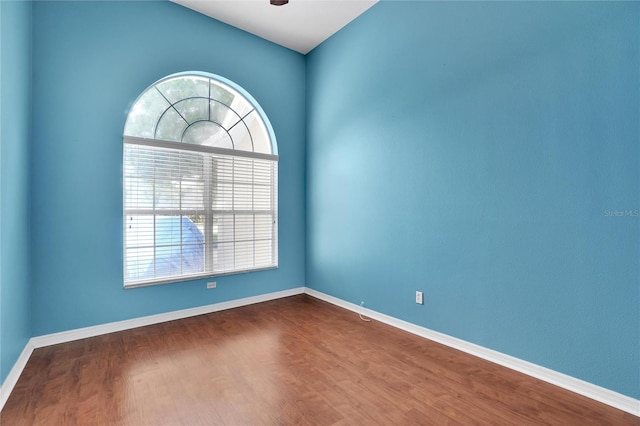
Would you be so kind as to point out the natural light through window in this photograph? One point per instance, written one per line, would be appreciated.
(200, 183)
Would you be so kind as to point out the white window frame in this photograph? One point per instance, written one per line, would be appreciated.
(239, 159)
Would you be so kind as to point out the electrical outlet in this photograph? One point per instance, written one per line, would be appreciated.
(211, 284)
(419, 299)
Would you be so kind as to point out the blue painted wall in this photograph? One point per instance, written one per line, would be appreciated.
(15, 113)
(90, 62)
(482, 153)
(486, 154)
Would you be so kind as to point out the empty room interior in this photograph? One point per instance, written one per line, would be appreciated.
(322, 212)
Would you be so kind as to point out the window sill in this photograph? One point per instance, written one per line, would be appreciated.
(183, 278)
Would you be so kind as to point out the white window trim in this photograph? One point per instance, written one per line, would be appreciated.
(209, 211)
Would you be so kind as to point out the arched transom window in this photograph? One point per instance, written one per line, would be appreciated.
(200, 182)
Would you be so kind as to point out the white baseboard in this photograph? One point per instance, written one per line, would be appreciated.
(97, 330)
(606, 396)
(83, 333)
(14, 374)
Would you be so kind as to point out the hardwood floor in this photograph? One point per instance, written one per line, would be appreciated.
(296, 360)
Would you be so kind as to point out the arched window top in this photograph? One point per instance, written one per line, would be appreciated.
(201, 109)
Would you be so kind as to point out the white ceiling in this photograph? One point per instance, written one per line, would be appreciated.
(300, 25)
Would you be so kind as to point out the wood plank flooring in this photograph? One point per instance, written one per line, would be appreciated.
(296, 360)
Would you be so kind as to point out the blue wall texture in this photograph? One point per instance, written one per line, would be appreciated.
(90, 62)
(487, 154)
(15, 123)
(484, 153)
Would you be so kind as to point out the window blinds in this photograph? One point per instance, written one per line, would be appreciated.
(193, 211)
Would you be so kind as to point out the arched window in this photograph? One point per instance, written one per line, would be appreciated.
(200, 182)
